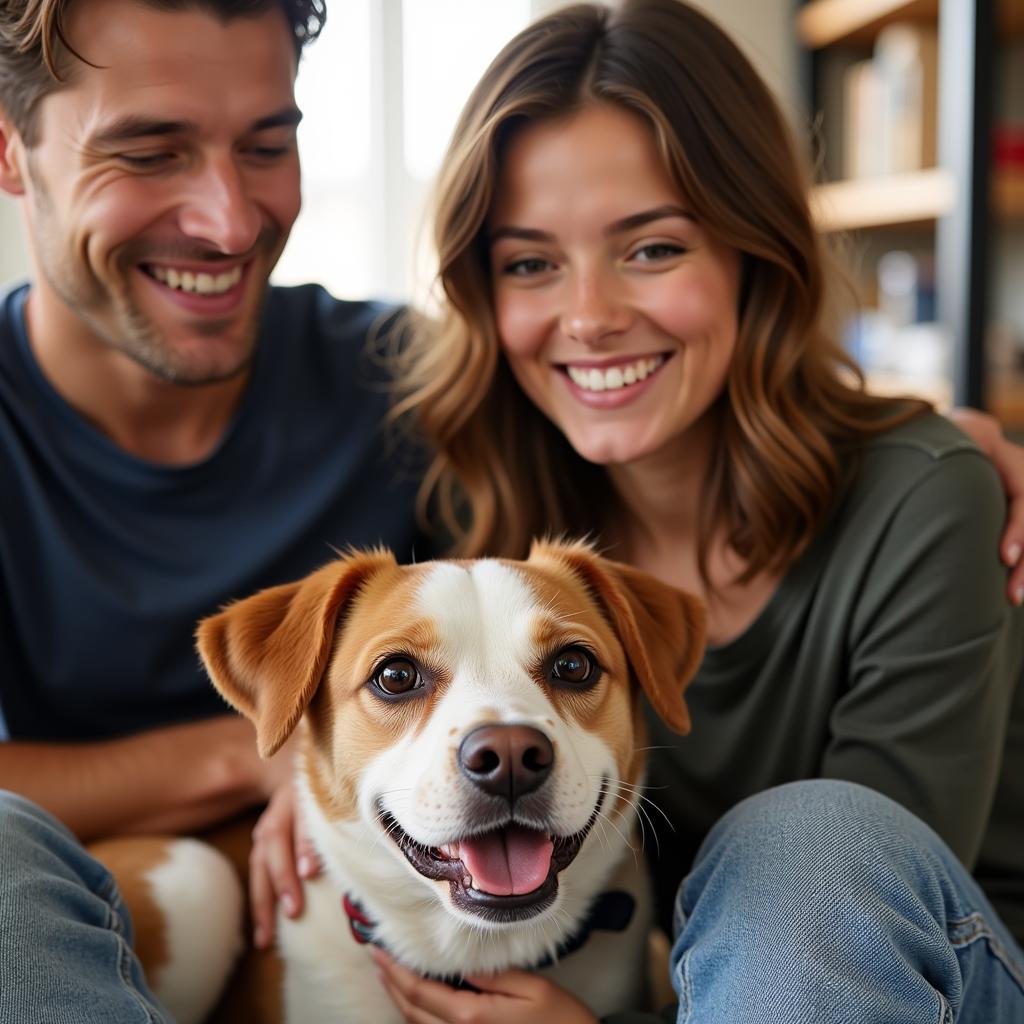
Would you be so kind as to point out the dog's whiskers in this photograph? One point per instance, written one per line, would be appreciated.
(638, 792)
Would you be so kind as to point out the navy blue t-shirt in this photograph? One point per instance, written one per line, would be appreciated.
(107, 562)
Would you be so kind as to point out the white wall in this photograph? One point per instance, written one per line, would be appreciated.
(13, 252)
(765, 31)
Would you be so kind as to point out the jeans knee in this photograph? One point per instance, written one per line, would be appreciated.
(23, 823)
(805, 847)
(821, 822)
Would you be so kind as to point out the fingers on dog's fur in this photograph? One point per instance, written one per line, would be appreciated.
(267, 654)
(661, 628)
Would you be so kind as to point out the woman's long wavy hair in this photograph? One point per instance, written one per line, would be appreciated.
(794, 409)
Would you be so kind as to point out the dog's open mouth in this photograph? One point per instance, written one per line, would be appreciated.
(507, 874)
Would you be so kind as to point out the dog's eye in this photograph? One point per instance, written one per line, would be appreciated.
(397, 676)
(573, 665)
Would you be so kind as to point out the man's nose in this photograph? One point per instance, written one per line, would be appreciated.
(594, 308)
(219, 209)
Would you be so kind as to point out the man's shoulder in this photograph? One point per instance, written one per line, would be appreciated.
(12, 302)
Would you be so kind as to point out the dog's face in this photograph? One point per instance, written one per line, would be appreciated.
(479, 719)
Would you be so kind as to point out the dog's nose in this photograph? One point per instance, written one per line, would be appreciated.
(506, 760)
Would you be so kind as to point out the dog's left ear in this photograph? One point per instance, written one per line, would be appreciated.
(661, 628)
(266, 654)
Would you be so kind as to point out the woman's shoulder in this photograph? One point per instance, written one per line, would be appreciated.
(924, 467)
(925, 439)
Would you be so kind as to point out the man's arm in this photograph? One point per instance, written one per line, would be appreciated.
(174, 779)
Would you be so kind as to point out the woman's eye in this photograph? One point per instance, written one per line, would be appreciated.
(527, 267)
(397, 676)
(574, 665)
(657, 251)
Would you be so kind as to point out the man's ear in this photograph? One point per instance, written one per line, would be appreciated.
(661, 628)
(266, 654)
(12, 158)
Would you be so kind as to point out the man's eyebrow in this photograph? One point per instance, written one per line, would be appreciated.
(634, 220)
(135, 126)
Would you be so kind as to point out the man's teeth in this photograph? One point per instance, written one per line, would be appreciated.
(198, 284)
(614, 378)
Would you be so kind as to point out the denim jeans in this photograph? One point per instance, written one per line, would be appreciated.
(821, 902)
(813, 903)
(65, 935)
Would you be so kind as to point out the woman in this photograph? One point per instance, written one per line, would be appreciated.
(634, 345)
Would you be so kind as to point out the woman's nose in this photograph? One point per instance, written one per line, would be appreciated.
(594, 309)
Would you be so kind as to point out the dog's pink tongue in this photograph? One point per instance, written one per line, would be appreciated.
(509, 862)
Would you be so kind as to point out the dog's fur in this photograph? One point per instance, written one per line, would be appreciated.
(498, 736)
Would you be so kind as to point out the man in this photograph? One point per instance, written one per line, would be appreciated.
(173, 434)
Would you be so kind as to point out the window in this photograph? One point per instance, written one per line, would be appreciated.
(381, 90)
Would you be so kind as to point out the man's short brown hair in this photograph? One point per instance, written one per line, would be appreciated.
(35, 55)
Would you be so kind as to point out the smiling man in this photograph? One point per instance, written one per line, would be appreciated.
(174, 432)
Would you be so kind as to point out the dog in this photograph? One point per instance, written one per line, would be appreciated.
(471, 760)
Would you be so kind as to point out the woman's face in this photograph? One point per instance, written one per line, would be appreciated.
(616, 310)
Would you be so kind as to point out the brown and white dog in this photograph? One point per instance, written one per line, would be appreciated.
(472, 751)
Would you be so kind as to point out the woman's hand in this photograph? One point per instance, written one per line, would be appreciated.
(281, 854)
(513, 997)
(1008, 458)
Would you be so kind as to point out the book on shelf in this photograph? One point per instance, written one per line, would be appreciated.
(891, 104)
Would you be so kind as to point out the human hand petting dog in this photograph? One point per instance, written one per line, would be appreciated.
(282, 855)
(1008, 459)
(512, 997)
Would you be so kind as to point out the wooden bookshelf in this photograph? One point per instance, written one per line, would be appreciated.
(914, 198)
(1008, 195)
(857, 22)
(1004, 397)
(918, 198)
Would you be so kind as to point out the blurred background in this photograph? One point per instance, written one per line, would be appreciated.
(912, 111)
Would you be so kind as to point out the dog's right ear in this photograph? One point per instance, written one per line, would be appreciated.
(266, 654)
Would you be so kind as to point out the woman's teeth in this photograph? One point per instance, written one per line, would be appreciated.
(614, 378)
(199, 284)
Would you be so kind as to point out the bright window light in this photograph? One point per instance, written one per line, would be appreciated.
(380, 92)
(447, 45)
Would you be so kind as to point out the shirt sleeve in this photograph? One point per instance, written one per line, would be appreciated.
(923, 715)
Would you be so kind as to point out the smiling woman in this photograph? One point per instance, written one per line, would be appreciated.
(634, 344)
(607, 293)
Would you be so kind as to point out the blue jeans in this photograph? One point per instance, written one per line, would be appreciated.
(821, 902)
(65, 935)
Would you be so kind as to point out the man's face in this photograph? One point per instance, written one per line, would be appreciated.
(164, 183)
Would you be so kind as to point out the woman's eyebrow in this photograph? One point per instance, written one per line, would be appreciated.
(522, 234)
(634, 220)
(638, 220)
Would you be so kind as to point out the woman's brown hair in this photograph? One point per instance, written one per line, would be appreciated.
(794, 406)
